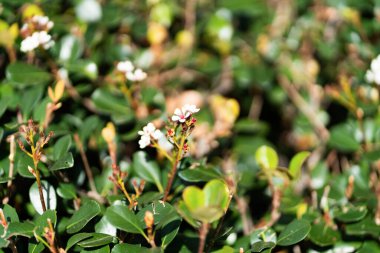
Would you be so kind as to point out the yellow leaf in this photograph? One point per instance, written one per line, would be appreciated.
(156, 33)
(59, 89)
(14, 30)
(3, 25)
(51, 94)
(109, 132)
(31, 10)
(301, 210)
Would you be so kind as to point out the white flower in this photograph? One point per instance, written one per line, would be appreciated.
(37, 39)
(148, 133)
(43, 21)
(125, 66)
(373, 74)
(190, 108)
(29, 44)
(147, 130)
(137, 76)
(182, 114)
(144, 141)
(88, 11)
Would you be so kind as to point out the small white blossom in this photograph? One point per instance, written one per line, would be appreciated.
(29, 44)
(43, 21)
(37, 39)
(125, 66)
(373, 74)
(148, 133)
(182, 114)
(136, 76)
(144, 141)
(190, 108)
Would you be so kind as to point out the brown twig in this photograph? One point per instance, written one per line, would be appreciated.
(85, 163)
(203, 230)
(303, 106)
(173, 171)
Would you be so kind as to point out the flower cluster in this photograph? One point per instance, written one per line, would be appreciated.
(182, 117)
(148, 135)
(373, 74)
(35, 34)
(131, 73)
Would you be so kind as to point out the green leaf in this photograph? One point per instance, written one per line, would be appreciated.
(96, 240)
(366, 226)
(267, 158)
(35, 247)
(185, 213)
(104, 249)
(41, 221)
(209, 204)
(76, 238)
(62, 146)
(125, 247)
(323, 235)
(104, 227)
(49, 196)
(66, 191)
(200, 174)
(109, 103)
(81, 217)
(66, 161)
(296, 163)
(261, 245)
(350, 213)
(22, 75)
(10, 213)
(342, 138)
(147, 170)
(20, 229)
(225, 249)
(124, 219)
(294, 232)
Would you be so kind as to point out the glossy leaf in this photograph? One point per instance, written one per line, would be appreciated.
(267, 158)
(294, 232)
(123, 218)
(21, 75)
(49, 196)
(295, 165)
(66, 161)
(147, 170)
(81, 217)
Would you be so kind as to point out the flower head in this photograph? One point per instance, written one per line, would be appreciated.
(148, 134)
(125, 66)
(35, 33)
(373, 74)
(136, 76)
(181, 115)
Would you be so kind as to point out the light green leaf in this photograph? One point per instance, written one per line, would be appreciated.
(267, 158)
(295, 165)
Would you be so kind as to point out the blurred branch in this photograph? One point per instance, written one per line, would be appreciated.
(305, 108)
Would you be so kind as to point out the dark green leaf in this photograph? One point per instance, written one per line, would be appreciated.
(66, 161)
(96, 240)
(81, 217)
(323, 235)
(62, 146)
(350, 213)
(22, 75)
(147, 170)
(294, 232)
(200, 174)
(123, 218)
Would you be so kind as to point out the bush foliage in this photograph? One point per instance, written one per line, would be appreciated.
(189, 126)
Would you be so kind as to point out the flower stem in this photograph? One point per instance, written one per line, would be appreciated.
(37, 174)
(174, 169)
